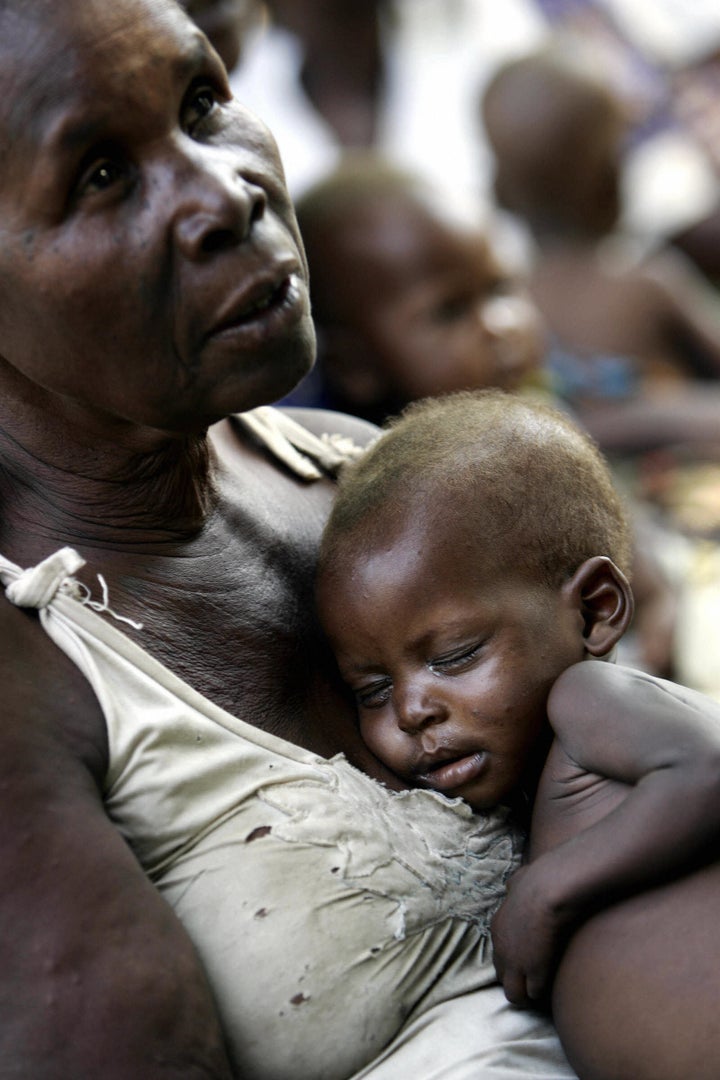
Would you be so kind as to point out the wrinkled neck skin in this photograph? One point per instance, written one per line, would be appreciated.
(102, 484)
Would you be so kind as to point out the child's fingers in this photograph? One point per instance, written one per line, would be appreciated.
(515, 988)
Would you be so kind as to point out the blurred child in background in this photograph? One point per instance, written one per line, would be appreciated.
(636, 342)
(410, 298)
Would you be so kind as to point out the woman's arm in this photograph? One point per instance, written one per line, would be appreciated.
(98, 978)
(661, 740)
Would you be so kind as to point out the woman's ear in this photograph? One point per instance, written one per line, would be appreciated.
(602, 594)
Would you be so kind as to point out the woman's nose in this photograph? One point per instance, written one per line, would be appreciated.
(217, 207)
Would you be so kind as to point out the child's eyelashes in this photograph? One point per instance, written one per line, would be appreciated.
(374, 695)
(458, 660)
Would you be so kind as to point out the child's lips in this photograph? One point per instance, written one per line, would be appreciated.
(449, 775)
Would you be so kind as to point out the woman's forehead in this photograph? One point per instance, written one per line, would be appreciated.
(45, 48)
(81, 59)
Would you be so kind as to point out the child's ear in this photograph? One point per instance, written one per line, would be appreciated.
(349, 368)
(602, 594)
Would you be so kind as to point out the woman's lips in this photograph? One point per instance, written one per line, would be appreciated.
(255, 304)
(261, 314)
(450, 775)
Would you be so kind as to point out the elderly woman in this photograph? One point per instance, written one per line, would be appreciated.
(201, 872)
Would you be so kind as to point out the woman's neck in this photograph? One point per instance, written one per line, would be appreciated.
(142, 489)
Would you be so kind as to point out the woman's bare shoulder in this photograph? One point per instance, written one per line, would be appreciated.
(44, 695)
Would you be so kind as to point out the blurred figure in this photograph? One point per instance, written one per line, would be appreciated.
(636, 342)
(226, 23)
(410, 299)
(400, 76)
(659, 57)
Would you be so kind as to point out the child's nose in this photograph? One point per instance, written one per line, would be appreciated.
(417, 709)
(504, 316)
(514, 326)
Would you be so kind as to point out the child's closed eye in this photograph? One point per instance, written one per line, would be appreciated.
(458, 660)
(373, 695)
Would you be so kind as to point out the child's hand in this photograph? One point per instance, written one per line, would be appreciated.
(528, 935)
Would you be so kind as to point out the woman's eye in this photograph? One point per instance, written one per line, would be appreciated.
(199, 104)
(373, 696)
(101, 175)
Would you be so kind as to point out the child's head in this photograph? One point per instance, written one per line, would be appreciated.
(476, 551)
(557, 131)
(408, 300)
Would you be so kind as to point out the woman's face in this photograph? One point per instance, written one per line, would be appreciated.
(150, 265)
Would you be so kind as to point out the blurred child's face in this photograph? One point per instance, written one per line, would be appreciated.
(433, 304)
(595, 189)
(450, 656)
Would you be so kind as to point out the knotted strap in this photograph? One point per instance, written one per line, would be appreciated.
(38, 585)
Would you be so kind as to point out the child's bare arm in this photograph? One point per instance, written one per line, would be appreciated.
(661, 740)
(690, 310)
(686, 417)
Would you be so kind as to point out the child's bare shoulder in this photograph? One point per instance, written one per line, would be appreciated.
(589, 680)
(592, 684)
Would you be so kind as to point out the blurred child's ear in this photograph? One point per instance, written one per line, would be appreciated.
(349, 368)
(602, 594)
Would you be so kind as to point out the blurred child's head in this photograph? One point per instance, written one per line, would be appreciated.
(225, 23)
(408, 300)
(477, 550)
(310, 19)
(557, 130)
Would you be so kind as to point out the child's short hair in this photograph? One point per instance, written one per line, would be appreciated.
(531, 486)
(359, 177)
